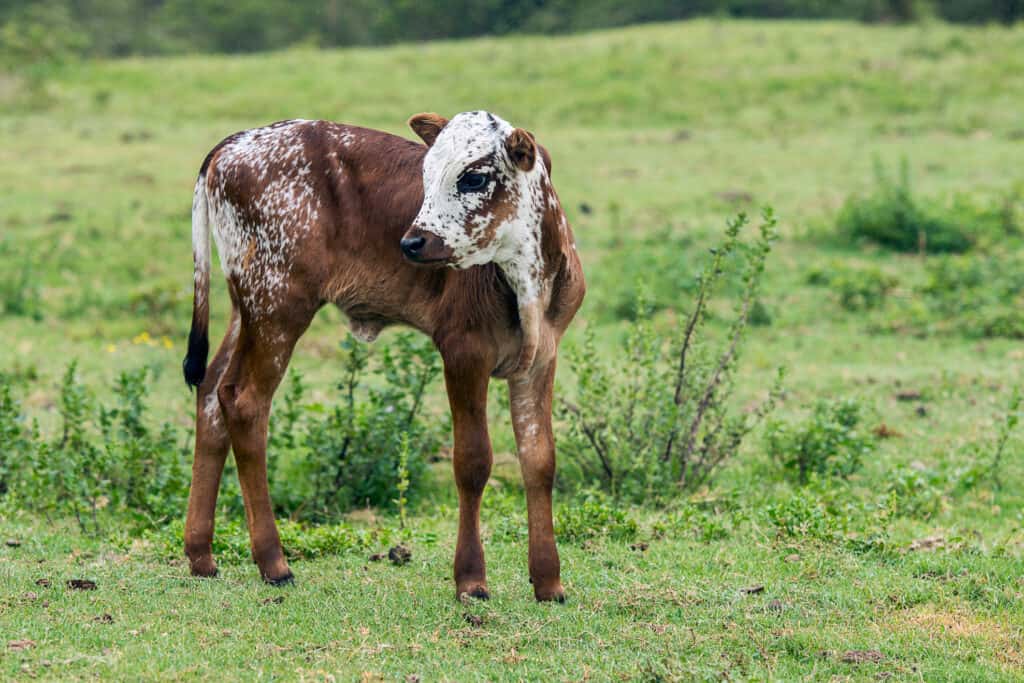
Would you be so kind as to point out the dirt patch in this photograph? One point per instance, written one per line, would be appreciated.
(1007, 645)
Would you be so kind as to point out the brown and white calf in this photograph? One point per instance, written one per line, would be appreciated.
(463, 239)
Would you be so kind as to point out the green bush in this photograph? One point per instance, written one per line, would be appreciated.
(893, 218)
(974, 295)
(857, 288)
(350, 455)
(826, 444)
(149, 473)
(20, 294)
(654, 419)
(102, 461)
(593, 517)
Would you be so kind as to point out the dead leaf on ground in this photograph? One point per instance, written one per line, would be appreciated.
(908, 395)
(104, 619)
(13, 543)
(18, 645)
(277, 600)
(641, 547)
(45, 583)
(862, 657)
(928, 543)
(377, 557)
(473, 620)
(81, 584)
(753, 590)
(884, 431)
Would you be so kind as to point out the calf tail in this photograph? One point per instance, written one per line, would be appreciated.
(194, 365)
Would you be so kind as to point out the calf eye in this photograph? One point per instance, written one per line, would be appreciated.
(472, 182)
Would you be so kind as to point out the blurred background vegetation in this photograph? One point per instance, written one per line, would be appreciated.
(57, 29)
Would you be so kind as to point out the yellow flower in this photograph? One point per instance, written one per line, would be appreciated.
(111, 348)
(167, 342)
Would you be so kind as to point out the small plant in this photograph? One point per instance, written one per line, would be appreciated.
(856, 288)
(593, 517)
(16, 440)
(148, 468)
(20, 295)
(827, 444)
(402, 485)
(654, 420)
(892, 217)
(345, 456)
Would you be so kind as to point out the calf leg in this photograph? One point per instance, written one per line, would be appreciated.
(531, 420)
(212, 443)
(466, 379)
(245, 394)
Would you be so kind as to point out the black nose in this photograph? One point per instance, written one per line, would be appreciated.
(411, 245)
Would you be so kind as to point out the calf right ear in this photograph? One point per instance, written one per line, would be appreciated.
(428, 126)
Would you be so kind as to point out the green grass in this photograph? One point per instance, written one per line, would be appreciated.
(659, 128)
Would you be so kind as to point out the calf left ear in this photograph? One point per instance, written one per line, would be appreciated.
(428, 126)
(521, 149)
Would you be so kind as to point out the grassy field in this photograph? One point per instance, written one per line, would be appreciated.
(658, 134)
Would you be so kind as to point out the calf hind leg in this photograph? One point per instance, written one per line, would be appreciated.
(245, 395)
(212, 444)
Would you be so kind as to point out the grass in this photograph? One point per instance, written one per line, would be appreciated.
(663, 129)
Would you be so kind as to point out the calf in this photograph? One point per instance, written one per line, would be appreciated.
(463, 239)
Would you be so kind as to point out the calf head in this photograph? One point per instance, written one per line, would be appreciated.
(481, 191)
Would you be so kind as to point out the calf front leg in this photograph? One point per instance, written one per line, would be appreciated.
(466, 379)
(531, 420)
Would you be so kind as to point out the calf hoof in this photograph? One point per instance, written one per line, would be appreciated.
(203, 567)
(550, 593)
(472, 590)
(286, 579)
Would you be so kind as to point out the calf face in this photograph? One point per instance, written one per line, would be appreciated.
(482, 191)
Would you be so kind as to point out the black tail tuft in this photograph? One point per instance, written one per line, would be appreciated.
(194, 365)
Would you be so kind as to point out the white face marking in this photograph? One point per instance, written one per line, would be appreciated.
(477, 140)
(258, 252)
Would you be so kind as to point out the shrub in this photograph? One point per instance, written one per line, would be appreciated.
(857, 288)
(103, 459)
(827, 444)
(350, 455)
(149, 474)
(653, 419)
(975, 295)
(891, 217)
(20, 295)
(15, 437)
(593, 517)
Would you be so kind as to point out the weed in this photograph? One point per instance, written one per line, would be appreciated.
(593, 516)
(856, 288)
(827, 444)
(350, 455)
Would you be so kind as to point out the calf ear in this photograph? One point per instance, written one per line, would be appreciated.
(428, 126)
(521, 149)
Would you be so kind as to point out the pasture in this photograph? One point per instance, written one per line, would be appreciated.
(907, 566)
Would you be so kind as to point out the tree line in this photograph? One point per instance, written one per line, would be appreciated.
(112, 28)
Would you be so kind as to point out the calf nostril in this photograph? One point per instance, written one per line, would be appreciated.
(412, 245)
